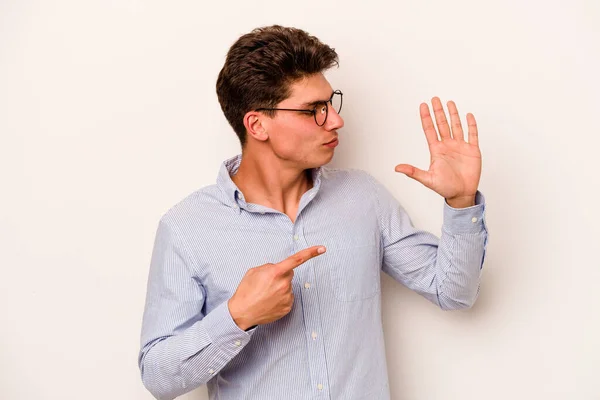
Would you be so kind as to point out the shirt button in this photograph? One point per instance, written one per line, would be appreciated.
(295, 237)
(211, 371)
(238, 343)
(307, 285)
(473, 220)
(320, 386)
(314, 335)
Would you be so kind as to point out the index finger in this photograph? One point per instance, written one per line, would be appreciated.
(427, 123)
(295, 260)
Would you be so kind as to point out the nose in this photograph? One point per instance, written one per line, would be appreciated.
(334, 121)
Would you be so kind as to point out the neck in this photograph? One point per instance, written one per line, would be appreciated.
(272, 182)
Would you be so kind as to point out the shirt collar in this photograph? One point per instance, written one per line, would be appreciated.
(233, 194)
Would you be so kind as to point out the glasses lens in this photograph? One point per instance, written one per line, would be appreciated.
(321, 113)
(336, 102)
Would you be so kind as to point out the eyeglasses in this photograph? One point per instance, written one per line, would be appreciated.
(321, 109)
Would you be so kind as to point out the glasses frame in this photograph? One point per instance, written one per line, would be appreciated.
(314, 110)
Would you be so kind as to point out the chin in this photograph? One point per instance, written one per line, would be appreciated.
(321, 161)
(309, 160)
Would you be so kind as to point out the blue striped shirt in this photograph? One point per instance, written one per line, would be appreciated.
(331, 344)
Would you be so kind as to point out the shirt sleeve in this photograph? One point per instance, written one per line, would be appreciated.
(445, 270)
(181, 348)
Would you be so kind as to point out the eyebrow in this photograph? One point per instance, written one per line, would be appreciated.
(312, 103)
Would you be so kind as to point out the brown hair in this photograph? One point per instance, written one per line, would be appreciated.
(260, 67)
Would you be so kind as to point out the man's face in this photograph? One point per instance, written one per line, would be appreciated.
(294, 136)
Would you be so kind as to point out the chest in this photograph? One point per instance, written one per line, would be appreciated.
(348, 271)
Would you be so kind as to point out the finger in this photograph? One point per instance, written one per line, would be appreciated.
(415, 173)
(457, 131)
(289, 275)
(427, 122)
(440, 118)
(299, 258)
(473, 133)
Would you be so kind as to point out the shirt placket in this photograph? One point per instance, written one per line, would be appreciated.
(305, 278)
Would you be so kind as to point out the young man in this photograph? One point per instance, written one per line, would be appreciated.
(267, 284)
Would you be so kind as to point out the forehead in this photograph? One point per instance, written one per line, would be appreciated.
(309, 89)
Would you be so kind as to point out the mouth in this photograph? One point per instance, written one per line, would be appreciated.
(332, 144)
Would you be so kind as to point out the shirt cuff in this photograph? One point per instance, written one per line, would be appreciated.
(465, 220)
(224, 332)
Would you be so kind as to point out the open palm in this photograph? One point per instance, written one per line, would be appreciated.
(455, 166)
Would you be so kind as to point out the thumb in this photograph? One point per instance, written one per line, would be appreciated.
(414, 173)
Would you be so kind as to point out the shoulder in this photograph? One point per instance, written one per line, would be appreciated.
(195, 207)
(347, 175)
(359, 185)
(349, 185)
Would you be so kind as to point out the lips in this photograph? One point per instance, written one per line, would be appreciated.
(331, 141)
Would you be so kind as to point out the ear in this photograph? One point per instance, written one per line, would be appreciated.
(254, 122)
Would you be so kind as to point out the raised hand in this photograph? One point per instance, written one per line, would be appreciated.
(265, 292)
(455, 167)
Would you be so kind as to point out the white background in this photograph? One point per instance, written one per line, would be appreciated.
(108, 117)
